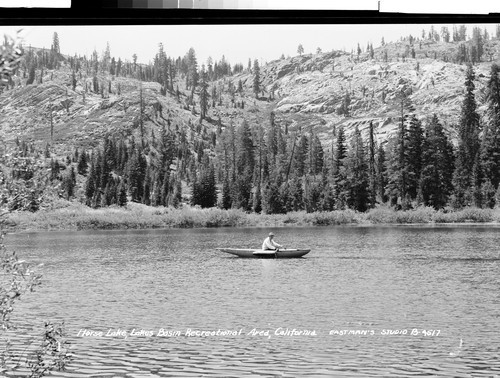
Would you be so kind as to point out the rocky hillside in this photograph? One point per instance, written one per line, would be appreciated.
(311, 88)
(309, 91)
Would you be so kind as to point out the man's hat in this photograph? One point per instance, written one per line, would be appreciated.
(271, 234)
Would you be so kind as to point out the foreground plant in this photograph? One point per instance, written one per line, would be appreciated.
(47, 352)
(10, 58)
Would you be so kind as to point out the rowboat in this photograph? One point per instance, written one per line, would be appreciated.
(259, 253)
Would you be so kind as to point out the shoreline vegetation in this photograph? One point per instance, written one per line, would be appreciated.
(78, 217)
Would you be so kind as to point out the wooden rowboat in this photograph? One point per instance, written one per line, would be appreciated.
(259, 253)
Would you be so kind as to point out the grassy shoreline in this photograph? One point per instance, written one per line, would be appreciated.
(77, 217)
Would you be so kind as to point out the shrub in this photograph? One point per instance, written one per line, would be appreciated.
(44, 354)
(467, 215)
(418, 215)
(337, 217)
(381, 215)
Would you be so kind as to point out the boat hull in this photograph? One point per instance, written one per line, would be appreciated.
(259, 253)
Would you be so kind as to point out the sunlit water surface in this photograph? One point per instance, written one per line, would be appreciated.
(444, 280)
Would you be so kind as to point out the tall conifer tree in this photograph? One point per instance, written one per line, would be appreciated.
(203, 93)
(372, 175)
(256, 78)
(437, 166)
(468, 144)
(357, 174)
(490, 144)
(340, 172)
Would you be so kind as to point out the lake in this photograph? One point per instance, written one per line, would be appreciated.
(387, 301)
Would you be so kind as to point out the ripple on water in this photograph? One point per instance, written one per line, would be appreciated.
(355, 278)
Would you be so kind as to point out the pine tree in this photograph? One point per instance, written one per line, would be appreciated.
(136, 175)
(119, 67)
(490, 144)
(226, 194)
(282, 159)
(146, 192)
(256, 78)
(106, 59)
(95, 84)
(403, 174)
(397, 186)
(272, 139)
(107, 195)
(31, 76)
(478, 44)
(156, 198)
(445, 34)
(300, 156)
(242, 191)
(55, 51)
(345, 106)
(295, 195)
(381, 174)
(192, 69)
(300, 49)
(208, 189)
(340, 171)
(141, 115)
(468, 143)
(112, 67)
(82, 164)
(90, 184)
(257, 199)
(315, 160)
(196, 191)
(312, 196)
(477, 179)
(326, 199)
(357, 174)
(415, 137)
(69, 183)
(203, 93)
(272, 200)
(245, 159)
(176, 198)
(488, 194)
(122, 194)
(372, 176)
(437, 166)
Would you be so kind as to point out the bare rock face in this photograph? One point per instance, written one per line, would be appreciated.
(322, 91)
(319, 84)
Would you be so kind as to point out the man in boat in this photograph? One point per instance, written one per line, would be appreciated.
(270, 244)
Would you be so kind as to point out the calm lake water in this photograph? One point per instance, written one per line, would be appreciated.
(358, 285)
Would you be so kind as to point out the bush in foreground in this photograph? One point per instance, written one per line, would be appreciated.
(47, 351)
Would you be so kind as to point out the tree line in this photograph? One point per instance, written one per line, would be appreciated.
(163, 69)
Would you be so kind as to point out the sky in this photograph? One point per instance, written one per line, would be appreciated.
(237, 43)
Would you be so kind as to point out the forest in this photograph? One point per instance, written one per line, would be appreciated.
(267, 167)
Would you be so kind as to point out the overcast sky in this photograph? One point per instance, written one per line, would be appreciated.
(236, 42)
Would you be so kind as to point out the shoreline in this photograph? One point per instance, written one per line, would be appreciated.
(11, 231)
(78, 217)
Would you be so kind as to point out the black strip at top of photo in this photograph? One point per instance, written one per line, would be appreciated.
(108, 12)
